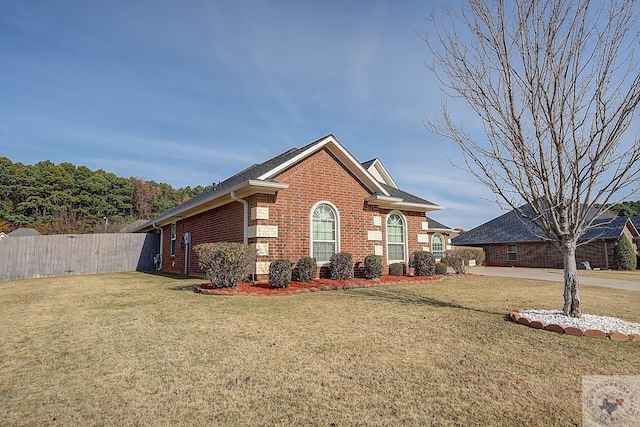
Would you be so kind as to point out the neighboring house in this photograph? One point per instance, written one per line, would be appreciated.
(311, 201)
(20, 232)
(636, 222)
(510, 241)
(3, 235)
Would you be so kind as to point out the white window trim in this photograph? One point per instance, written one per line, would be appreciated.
(442, 240)
(404, 231)
(337, 214)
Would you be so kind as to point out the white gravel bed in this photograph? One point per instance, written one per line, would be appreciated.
(587, 321)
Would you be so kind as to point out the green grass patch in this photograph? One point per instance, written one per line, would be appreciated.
(141, 349)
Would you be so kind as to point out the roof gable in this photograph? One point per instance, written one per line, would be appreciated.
(338, 150)
(379, 172)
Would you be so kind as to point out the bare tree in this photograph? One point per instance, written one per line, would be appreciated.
(556, 85)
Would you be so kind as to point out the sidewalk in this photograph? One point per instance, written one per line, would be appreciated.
(552, 276)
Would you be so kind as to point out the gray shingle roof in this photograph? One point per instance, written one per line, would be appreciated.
(21, 232)
(435, 224)
(255, 171)
(406, 197)
(512, 228)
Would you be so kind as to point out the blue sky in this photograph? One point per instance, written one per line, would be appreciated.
(189, 93)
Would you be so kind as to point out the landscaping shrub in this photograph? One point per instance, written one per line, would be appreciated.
(372, 266)
(423, 263)
(226, 264)
(305, 270)
(623, 254)
(396, 269)
(341, 266)
(458, 259)
(441, 268)
(280, 273)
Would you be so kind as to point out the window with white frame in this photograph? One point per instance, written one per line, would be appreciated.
(324, 236)
(395, 238)
(512, 253)
(437, 246)
(173, 239)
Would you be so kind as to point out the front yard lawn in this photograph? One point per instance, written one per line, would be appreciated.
(142, 349)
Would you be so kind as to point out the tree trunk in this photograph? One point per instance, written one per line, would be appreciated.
(572, 303)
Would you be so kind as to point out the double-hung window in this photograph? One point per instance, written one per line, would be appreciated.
(324, 240)
(437, 246)
(395, 238)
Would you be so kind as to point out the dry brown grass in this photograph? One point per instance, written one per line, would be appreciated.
(140, 349)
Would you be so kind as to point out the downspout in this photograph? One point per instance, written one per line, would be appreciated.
(245, 238)
(161, 241)
(606, 256)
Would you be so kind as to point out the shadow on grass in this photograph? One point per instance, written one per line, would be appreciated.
(175, 276)
(170, 275)
(405, 297)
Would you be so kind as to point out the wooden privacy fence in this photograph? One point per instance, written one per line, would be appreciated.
(59, 255)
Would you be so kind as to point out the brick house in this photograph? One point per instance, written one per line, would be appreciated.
(311, 201)
(510, 241)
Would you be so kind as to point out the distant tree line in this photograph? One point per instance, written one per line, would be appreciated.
(64, 198)
(625, 208)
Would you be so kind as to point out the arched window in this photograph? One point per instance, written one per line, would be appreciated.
(437, 246)
(395, 238)
(324, 239)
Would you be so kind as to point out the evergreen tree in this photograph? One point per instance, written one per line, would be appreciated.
(624, 256)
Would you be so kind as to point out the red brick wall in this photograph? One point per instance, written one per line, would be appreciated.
(222, 224)
(546, 255)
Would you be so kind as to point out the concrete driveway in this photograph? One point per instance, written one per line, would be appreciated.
(552, 276)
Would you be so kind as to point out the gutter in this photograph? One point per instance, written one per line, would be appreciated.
(177, 211)
(245, 238)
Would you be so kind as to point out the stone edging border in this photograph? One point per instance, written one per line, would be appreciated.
(516, 317)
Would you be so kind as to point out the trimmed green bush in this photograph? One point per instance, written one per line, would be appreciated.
(458, 259)
(423, 263)
(305, 270)
(226, 264)
(280, 273)
(396, 269)
(341, 266)
(441, 268)
(624, 256)
(372, 266)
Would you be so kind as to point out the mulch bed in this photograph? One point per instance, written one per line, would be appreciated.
(262, 288)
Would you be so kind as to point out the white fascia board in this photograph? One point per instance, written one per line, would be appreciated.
(442, 230)
(179, 213)
(397, 203)
(386, 199)
(419, 205)
(267, 184)
(351, 163)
